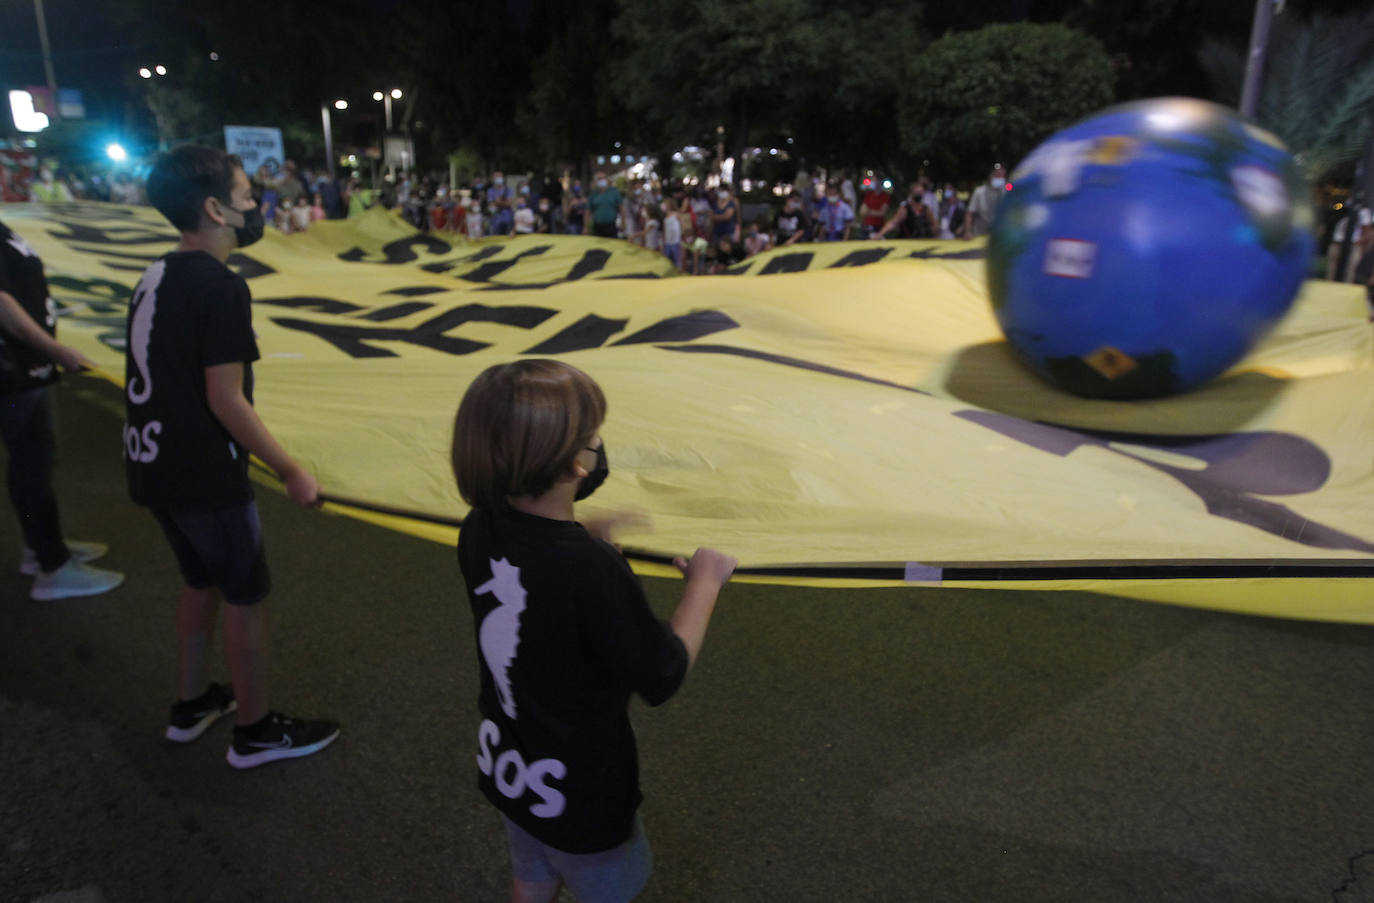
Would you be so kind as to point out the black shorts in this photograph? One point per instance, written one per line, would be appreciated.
(221, 549)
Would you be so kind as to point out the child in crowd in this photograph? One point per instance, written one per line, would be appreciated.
(317, 209)
(300, 215)
(283, 219)
(564, 631)
(756, 241)
(473, 218)
(190, 427)
(524, 216)
(653, 233)
(672, 232)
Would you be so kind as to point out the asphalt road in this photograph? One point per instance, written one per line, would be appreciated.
(831, 745)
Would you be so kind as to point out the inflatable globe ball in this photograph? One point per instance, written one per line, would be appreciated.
(1148, 248)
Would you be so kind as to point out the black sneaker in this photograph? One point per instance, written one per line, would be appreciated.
(191, 717)
(278, 737)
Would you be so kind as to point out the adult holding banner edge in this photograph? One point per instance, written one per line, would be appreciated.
(29, 359)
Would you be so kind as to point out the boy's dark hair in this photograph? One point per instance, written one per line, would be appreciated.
(185, 176)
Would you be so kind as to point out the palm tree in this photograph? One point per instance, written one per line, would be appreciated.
(1318, 91)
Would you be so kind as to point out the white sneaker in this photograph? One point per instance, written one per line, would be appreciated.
(73, 579)
(83, 552)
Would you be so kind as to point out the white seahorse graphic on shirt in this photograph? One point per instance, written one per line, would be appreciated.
(144, 304)
(499, 634)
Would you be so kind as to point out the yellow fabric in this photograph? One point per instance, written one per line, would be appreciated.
(857, 412)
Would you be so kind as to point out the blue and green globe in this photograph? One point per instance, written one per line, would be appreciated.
(1148, 248)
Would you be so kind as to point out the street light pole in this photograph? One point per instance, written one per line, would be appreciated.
(1254, 66)
(328, 139)
(47, 56)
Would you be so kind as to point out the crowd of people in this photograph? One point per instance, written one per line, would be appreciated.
(701, 228)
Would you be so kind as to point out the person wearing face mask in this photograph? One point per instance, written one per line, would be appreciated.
(982, 206)
(835, 216)
(524, 218)
(792, 224)
(49, 189)
(913, 219)
(603, 206)
(950, 211)
(190, 427)
(500, 204)
(564, 631)
(543, 216)
(873, 210)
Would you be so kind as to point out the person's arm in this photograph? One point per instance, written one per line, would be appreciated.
(16, 321)
(224, 394)
(706, 573)
(893, 223)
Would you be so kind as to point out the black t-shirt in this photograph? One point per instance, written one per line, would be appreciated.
(564, 636)
(787, 224)
(916, 223)
(188, 312)
(21, 275)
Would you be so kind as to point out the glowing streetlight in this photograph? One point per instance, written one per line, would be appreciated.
(396, 93)
(341, 105)
(145, 72)
(377, 95)
(160, 70)
(116, 153)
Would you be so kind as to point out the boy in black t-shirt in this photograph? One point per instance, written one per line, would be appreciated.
(190, 427)
(564, 633)
(29, 357)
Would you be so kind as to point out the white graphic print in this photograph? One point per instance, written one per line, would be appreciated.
(513, 777)
(144, 304)
(499, 634)
(20, 245)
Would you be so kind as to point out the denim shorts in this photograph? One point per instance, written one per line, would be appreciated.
(611, 876)
(222, 549)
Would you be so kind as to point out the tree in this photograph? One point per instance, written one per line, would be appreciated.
(1318, 89)
(570, 110)
(978, 97)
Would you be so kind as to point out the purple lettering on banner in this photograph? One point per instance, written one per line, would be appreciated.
(1238, 466)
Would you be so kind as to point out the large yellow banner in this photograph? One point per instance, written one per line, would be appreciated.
(844, 413)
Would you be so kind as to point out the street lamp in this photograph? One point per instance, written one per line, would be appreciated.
(329, 132)
(386, 98)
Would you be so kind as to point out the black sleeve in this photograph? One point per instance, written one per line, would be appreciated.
(226, 323)
(623, 633)
(6, 277)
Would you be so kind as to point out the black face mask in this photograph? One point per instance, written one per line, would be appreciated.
(595, 477)
(252, 227)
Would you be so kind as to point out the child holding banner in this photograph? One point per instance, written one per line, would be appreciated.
(190, 427)
(29, 357)
(564, 632)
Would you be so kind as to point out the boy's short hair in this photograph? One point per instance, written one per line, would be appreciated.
(185, 176)
(519, 427)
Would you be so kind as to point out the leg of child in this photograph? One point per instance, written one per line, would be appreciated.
(245, 647)
(534, 891)
(197, 611)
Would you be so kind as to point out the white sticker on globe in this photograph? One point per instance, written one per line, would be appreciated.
(1070, 257)
(1260, 190)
